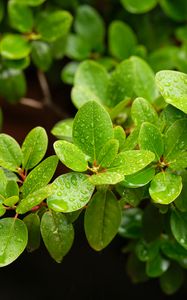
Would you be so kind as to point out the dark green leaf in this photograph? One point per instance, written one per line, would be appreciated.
(136, 269)
(57, 234)
(173, 250)
(30, 2)
(140, 178)
(172, 280)
(147, 251)
(175, 9)
(157, 266)
(105, 213)
(12, 84)
(32, 222)
(131, 224)
(178, 226)
(152, 223)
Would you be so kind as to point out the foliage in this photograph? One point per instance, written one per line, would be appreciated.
(126, 148)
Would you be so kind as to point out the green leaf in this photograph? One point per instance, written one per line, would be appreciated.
(172, 280)
(180, 161)
(20, 16)
(168, 116)
(77, 48)
(122, 40)
(41, 55)
(3, 183)
(140, 178)
(2, 10)
(68, 72)
(138, 7)
(173, 87)
(105, 213)
(163, 58)
(32, 222)
(120, 136)
(132, 140)
(13, 240)
(147, 251)
(71, 156)
(53, 25)
(90, 83)
(1, 119)
(12, 84)
(108, 153)
(178, 223)
(57, 234)
(133, 197)
(131, 223)
(71, 192)
(14, 46)
(10, 153)
(175, 9)
(128, 81)
(175, 140)
(143, 111)
(136, 269)
(89, 25)
(11, 201)
(19, 64)
(63, 130)
(12, 188)
(157, 266)
(173, 250)
(150, 138)
(34, 147)
(180, 201)
(152, 223)
(40, 176)
(30, 2)
(106, 177)
(132, 161)
(92, 128)
(165, 187)
(2, 210)
(34, 199)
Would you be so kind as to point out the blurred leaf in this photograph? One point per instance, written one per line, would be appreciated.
(131, 223)
(172, 280)
(63, 130)
(122, 40)
(14, 46)
(41, 55)
(32, 222)
(57, 234)
(138, 7)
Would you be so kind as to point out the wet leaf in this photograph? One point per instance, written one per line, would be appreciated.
(57, 234)
(32, 222)
(63, 130)
(178, 223)
(92, 128)
(71, 192)
(165, 187)
(13, 240)
(108, 153)
(34, 147)
(40, 176)
(71, 156)
(10, 153)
